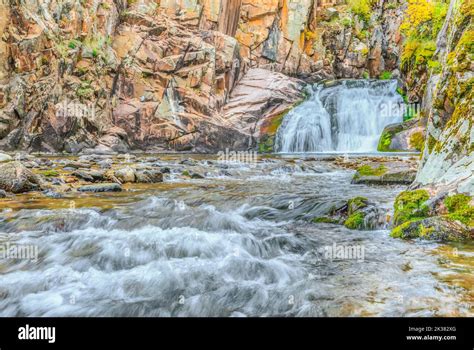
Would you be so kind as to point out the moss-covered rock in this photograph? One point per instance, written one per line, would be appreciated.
(457, 202)
(49, 173)
(355, 204)
(401, 137)
(417, 140)
(460, 209)
(269, 128)
(367, 170)
(381, 175)
(355, 221)
(434, 228)
(326, 220)
(410, 205)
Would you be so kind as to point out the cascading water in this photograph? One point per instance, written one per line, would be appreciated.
(346, 116)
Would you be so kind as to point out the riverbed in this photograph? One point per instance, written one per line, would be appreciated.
(237, 242)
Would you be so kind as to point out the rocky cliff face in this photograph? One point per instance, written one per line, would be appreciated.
(448, 158)
(111, 75)
(316, 38)
(114, 75)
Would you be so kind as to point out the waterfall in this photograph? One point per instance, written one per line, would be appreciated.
(341, 116)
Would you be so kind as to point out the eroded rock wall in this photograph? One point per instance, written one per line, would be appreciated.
(112, 75)
(448, 158)
(305, 38)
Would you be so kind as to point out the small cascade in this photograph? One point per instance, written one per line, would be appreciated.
(341, 116)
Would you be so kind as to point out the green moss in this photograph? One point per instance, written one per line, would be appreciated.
(385, 75)
(400, 230)
(417, 140)
(410, 205)
(367, 170)
(267, 140)
(385, 142)
(85, 91)
(365, 75)
(403, 94)
(268, 131)
(424, 231)
(457, 202)
(431, 143)
(355, 221)
(186, 173)
(50, 173)
(347, 22)
(466, 216)
(459, 209)
(73, 44)
(355, 204)
(325, 219)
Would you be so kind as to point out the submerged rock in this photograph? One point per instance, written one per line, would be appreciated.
(107, 187)
(356, 214)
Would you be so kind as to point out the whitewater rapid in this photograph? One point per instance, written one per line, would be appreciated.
(242, 244)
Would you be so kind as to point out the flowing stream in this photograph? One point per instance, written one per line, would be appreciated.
(238, 242)
(348, 116)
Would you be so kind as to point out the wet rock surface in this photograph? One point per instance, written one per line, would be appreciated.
(101, 188)
(16, 178)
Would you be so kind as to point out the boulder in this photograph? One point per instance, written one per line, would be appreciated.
(90, 175)
(16, 178)
(149, 176)
(5, 158)
(390, 178)
(436, 228)
(406, 136)
(125, 175)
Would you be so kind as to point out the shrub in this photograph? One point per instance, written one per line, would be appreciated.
(385, 75)
(361, 8)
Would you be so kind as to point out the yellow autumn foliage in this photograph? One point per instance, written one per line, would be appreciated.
(418, 12)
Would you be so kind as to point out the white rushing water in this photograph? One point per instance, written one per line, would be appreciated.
(239, 245)
(346, 117)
